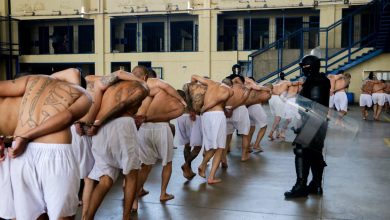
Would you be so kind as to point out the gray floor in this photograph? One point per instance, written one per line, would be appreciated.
(356, 184)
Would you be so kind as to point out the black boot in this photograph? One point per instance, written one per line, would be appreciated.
(298, 190)
(302, 171)
(317, 169)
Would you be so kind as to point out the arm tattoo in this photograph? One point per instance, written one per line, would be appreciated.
(91, 86)
(109, 80)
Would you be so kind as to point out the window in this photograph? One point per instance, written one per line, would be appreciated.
(314, 26)
(43, 42)
(153, 37)
(126, 66)
(62, 39)
(86, 39)
(26, 42)
(146, 64)
(130, 37)
(256, 34)
(182, 36)
(290, 25)
(228, 40)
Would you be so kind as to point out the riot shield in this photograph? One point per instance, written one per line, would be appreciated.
(317, 123)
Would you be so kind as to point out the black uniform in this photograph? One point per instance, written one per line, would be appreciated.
(315, 88)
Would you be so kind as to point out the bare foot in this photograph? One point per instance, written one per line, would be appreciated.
(187, 173)
(245, 157)
(271, 137)
(166, 197)
(143, 192)
(134, 208)
(258, 148)
(213, 181)
(201, 172)
(224, 165)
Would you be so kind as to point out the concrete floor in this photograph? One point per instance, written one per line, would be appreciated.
(356, 184)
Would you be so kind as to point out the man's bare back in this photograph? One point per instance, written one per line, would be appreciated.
(164, 108)
(9, 111)
(44, 98)
(367, 87)
(122, 99)
(216, 94)
(239, 97)
(294, 89)
(341, 84)
(379, 87)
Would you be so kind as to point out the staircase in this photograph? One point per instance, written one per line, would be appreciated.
(356, 50)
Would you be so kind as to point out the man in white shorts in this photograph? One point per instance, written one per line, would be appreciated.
(378, 97)
(257, 116)
(365, 100)
(213, 125)
(290, 111)
(115, 146)
(9, 109)
(189, 134)
(82, 131)
(41, 153)
(339, 84)
(240, 117)
(162, 105)
(277, 105)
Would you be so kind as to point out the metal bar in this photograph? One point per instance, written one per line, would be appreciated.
(326, 52)
(9, 70)
(350, 35)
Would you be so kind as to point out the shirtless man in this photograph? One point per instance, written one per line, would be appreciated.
(277, 106)
(42, 139)
(189, 132)
(365, 101)
(378, 97)
(82, 130)
(213, 124)
(338, 99)
(290, 110)
(115, 147)
(237, 116)
(162, 105)
(257, 116)
(9, 109)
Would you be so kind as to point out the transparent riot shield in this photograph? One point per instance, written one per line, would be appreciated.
(317, 124)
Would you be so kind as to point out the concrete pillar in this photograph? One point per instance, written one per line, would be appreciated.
(306, 19)
(99, 44)
(329, 14)
(207, 36)
(272, 29)
(240, 34)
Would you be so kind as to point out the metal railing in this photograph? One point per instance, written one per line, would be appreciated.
(351, 43)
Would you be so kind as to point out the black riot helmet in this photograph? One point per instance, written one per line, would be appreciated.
(310, 65)
(236, 68)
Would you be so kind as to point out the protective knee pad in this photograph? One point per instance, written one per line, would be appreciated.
(298, 151)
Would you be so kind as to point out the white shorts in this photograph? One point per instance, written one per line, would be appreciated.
(239, 120)
(365, 100)
(379, 98)
(45, 179)
(214, 130)
(388, 98)
(156, 143)
(7, 210)
(257, 115)
(276, 105)
(290, 109)
(341, 101)
(183, 129)
(331, 101)
(196, 132)
(115, 147)
(82, 149)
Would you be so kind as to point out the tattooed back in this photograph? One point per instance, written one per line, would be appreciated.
(45, 97)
